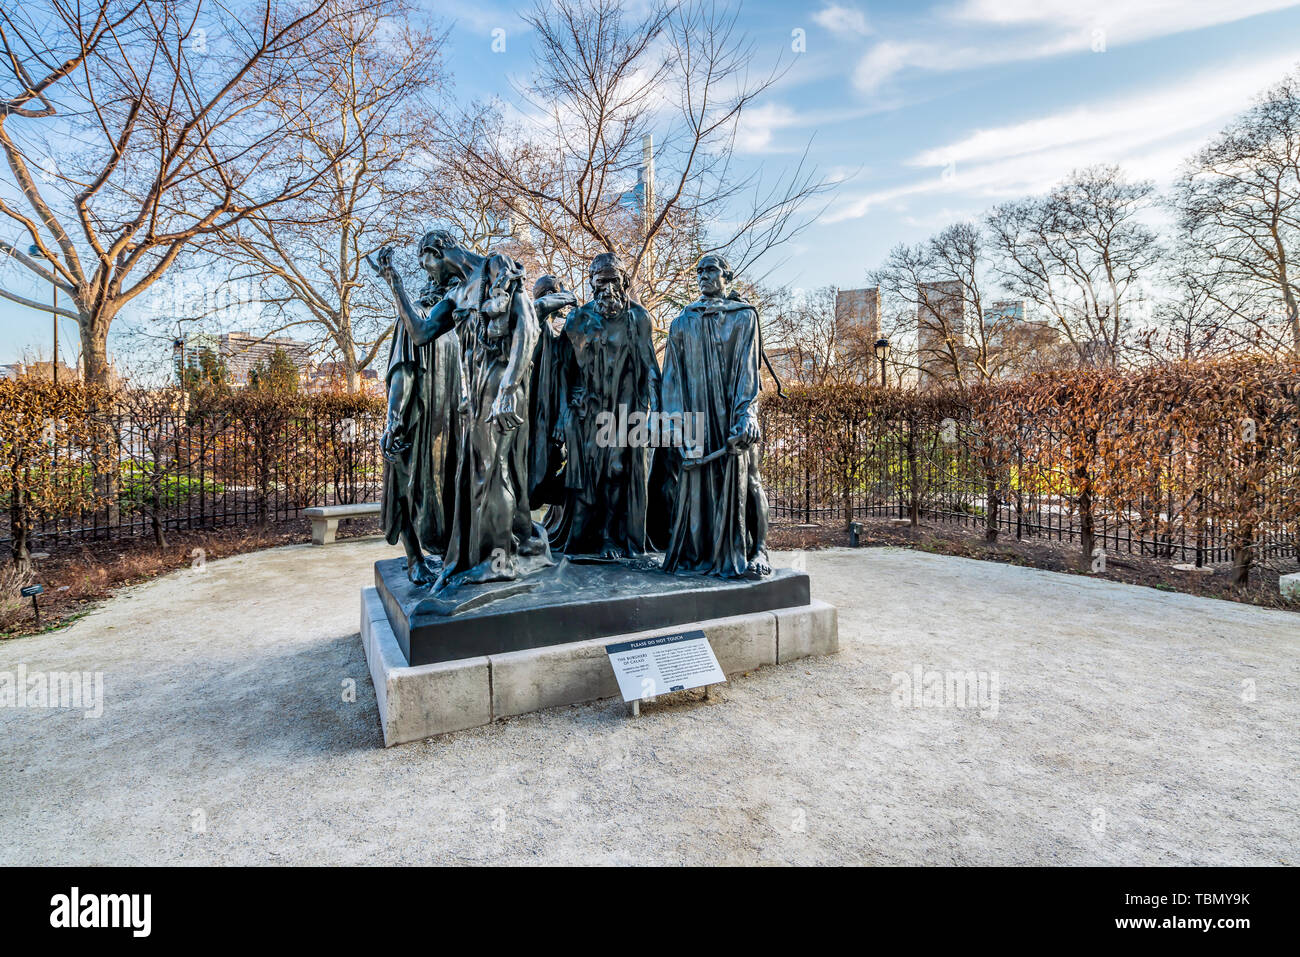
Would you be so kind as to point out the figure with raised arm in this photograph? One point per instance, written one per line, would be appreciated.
(492, 536)
(421, 433)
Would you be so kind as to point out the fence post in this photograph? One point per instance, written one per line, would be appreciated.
(913, 476)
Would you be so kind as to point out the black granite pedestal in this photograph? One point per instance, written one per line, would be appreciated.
(572, 601)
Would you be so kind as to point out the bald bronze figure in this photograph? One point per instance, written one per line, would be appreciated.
(718, 516)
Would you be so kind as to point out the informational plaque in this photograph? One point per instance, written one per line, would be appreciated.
(674, 662)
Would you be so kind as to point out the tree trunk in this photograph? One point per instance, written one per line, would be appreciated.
(18, 515)
(992, 504)
(1087, 535)
(913, 478)
(1242, 557)
(94, 347)
(1087, 527)
(1243, 546)
(849, 473)
(94, 352)
(1293, 316)
(352, 372)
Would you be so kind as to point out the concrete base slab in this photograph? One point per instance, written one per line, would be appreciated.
(426, 700)
(1193, 569)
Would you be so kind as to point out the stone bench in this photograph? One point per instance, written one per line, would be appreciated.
(325, 519)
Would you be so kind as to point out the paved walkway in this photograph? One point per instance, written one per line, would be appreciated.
(1132, 727)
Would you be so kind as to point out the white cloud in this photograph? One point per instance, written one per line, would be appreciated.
(1191, 103)
(841, 19)
(987, 32)
(1149, 135)
(759, 123)
(885, 59)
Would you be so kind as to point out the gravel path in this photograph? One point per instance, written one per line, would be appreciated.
(1132, 727)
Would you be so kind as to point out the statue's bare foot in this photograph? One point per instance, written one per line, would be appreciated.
(423, 571)
(758, 568)
(611, 552)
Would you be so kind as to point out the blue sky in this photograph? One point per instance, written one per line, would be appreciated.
(928, 114)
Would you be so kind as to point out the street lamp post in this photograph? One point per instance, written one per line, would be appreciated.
(34, 250)
(178, 357)
(882, 353)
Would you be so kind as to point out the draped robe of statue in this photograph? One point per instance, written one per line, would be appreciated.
(545, 405)
(419, 483)
(608, 366)
(718, 519)
(493, 536)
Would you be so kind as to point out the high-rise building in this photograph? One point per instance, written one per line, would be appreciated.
(940, 331)
(1003, 317)
(857, 313)
(857, 327)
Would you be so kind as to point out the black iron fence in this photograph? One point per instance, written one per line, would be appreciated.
(1195, 499)
(1102, 465)
(152, 474)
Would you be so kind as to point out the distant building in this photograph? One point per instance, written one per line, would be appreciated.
(789, 364)
(641, 197)
(940, 331)
(1017, 344)
(333, 377)
(858, 310)
(1002, 317)
(857, 327)
(241, 351)
(42, 370)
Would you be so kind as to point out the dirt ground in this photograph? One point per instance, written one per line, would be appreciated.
(1129, 726)
(76, 579)
(966, 541)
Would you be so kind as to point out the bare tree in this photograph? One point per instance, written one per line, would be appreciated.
(150, 126)
(1239, 200)
(801, 335)
(1078, 254)
(370, 130)
(1191, 322)
(964, 333)
(602, 82)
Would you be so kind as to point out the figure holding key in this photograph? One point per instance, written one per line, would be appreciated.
(711, 369)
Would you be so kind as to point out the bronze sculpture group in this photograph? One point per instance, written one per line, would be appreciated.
(503, 400)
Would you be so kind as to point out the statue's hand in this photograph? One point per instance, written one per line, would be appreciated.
(747, 433)
(393, 443)
(384, 266)
(504, 413)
